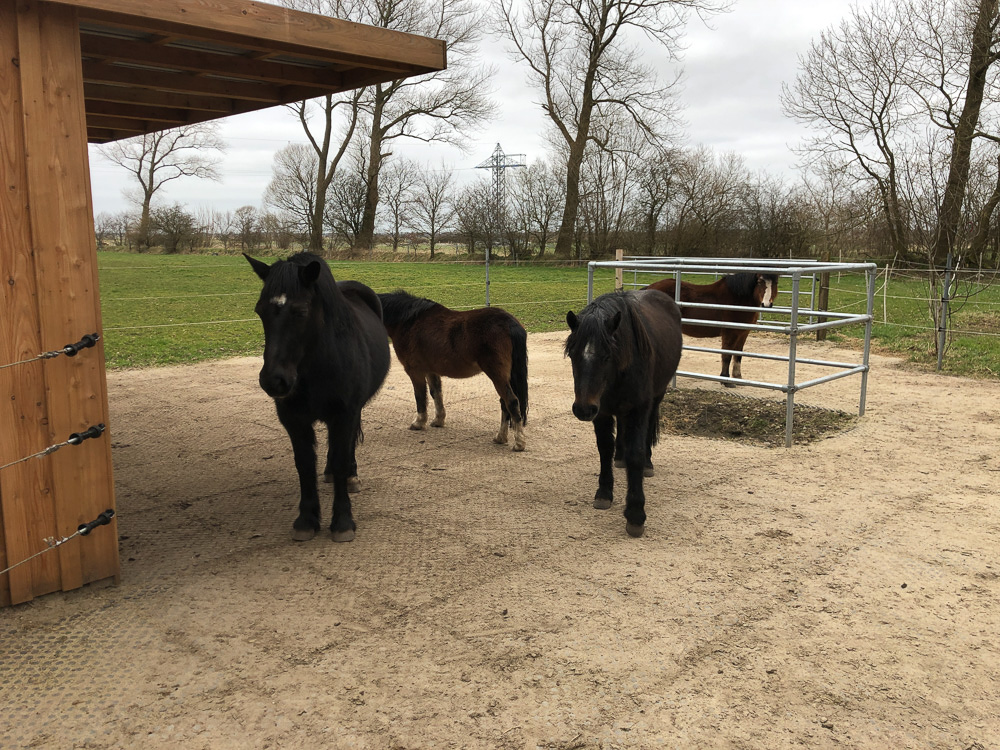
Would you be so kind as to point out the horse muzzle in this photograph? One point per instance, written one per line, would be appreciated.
(585, 412)
(277, 384)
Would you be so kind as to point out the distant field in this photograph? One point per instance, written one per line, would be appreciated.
(174, 309)
(160, 310)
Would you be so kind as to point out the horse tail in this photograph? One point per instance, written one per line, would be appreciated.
(519, 366)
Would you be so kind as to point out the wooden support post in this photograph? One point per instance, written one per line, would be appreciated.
(824, 296)
(48, 298)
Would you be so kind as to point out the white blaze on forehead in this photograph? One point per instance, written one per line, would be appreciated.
(280, 300)
(768, 292)
(588, 352)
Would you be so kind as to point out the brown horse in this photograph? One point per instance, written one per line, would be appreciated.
(752, 290)
(431, 340)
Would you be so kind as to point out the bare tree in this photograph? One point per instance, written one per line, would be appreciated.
(398, 180)
(158, 158)
(173, 227)
(246, 224)
(709, 188)
(536, 196)
(433, 203)
(436, 107)
(293, 189)
(584, 60)
(852, 88)
(956, 44)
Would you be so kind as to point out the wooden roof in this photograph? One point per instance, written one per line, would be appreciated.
(150, 65)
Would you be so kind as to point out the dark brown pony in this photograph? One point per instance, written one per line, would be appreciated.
(751, 290)
(433, 341)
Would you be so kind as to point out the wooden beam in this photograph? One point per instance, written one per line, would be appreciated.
(267, 26)
(139, 112)
(123, 125)
(179, 58)
(26, 513)
(180, 82)
(100, 92)
(65, 304)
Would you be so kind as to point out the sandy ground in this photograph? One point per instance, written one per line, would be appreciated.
(840, 594)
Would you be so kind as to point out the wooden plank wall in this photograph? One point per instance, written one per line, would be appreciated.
(49, 298)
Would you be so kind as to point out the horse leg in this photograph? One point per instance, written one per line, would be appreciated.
(651, 430)
(604, 431)
(728, 338)
(739, 341)
(510, 406)
(353, 483)
(434, 381)
(420, 393)
(343, 434)
(510, 414)
(303, 438)
(501, 438)
(635, 426)
(619, 450)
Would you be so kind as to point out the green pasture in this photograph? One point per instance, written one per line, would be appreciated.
(173, 309)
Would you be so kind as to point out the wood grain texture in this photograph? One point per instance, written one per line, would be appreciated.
(274, 27)
(54, 256)
(26, 509)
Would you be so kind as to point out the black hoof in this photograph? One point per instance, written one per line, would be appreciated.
(353, 484)
(635, 530)
(601, 501)
(647, 471)
(302, 535)
(619, 463)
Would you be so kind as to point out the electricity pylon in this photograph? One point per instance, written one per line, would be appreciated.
(499, 162)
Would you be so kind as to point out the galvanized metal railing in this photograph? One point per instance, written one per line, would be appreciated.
(798, 271)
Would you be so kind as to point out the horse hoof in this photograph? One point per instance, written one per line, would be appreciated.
(416, 427)
(328, 479)
(518, 447)
(619, 463)
(635, 529)
(602, 503)
(347, 535)
(302, 535)
(500, 440)
(435, 423)
(353, 484)
(729, 385)
(647, 471)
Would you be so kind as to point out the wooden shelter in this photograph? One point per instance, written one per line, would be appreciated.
(81, 71)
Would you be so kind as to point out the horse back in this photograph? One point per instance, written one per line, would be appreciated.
(716, 293)
(356, 292)
(662, 320)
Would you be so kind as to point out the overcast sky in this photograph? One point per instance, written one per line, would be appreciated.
(733, 75)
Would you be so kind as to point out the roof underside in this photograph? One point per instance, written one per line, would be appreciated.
(158, 64)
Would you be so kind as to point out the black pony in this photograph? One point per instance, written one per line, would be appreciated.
(624, 347)
(432, 340)
(325, 356)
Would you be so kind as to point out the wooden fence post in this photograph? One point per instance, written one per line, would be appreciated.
(824, 296)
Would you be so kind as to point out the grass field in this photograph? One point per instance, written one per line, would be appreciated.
(174, 309)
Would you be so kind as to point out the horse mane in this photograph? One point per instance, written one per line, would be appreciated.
(400, 308)
(284, 278)
(629, 341)
(742, 284)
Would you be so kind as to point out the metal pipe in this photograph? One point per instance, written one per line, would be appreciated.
(792, 345)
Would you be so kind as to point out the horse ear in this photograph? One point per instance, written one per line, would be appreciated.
(260, 267)
(309, 273)
(571, 321)
(615, 321)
